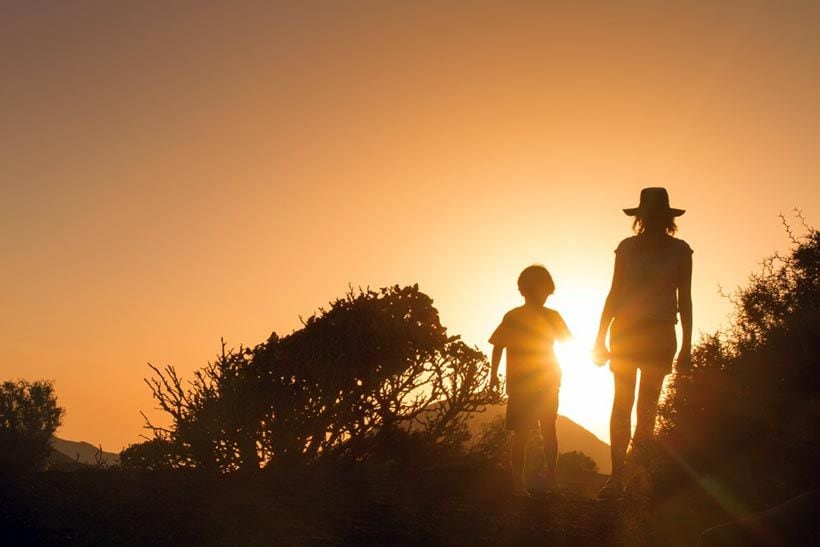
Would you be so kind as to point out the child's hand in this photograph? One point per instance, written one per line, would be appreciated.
(600, 354)
(494, 383)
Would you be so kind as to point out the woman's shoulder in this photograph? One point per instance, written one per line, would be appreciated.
(681, 246)
(626, 244)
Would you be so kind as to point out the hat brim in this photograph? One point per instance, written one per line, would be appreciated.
(636, 210)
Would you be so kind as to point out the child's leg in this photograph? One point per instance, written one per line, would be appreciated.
(517, 410)
(518, 455)
(548, 431)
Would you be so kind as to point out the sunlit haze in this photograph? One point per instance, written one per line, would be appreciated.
(174, 173)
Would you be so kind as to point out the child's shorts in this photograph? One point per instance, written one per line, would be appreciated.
(525, 411)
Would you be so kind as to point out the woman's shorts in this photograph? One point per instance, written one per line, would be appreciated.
(645, 346)
(525, 411)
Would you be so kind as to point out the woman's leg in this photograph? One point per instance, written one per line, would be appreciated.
(648, 394)
(659, 352)
(620, 424)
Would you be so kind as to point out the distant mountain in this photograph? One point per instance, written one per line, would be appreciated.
(571, 436)
(65, 453)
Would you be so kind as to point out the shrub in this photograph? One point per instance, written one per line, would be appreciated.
(374, 364)
(576, 463)
(746, 414)
(29, 416)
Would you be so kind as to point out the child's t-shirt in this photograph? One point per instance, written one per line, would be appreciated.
(529, 333)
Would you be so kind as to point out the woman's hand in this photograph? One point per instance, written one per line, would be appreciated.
(600, 353)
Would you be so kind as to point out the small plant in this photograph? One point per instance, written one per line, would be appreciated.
(100, 459)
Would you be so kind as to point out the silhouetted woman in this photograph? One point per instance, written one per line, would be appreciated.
(651, 284)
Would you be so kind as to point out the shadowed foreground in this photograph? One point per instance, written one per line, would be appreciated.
(387, 504)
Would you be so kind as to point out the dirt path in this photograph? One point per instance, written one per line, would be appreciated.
(352, 506)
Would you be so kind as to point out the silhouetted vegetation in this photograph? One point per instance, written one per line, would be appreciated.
(491, 442)
(29, 416)
(368, 377)
(743, 421)
(576, 463)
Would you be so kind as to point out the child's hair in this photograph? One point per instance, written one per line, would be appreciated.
(535, 277)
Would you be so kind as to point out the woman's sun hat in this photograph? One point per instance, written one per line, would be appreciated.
(654, 201)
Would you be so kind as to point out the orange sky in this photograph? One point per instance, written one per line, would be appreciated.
(176, 174)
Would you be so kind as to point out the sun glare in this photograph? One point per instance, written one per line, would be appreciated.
(586, 390)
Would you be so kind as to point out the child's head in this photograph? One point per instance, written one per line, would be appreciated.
(535, 284)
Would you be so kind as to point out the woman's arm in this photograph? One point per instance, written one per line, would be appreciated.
(685, 308)
(601, 352)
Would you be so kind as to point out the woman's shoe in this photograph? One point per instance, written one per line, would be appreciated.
(520, 492)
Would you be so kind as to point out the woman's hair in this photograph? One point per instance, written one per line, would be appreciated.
(655, 223)
(533, 278)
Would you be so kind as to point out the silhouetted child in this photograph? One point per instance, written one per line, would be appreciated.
(533, 372)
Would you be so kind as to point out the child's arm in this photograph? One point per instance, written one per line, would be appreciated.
(499, 340)
(496, 361)
(562, 332)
